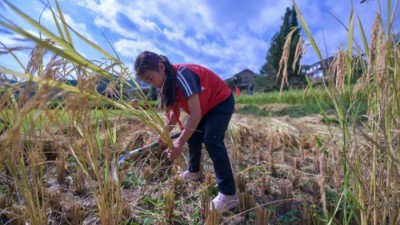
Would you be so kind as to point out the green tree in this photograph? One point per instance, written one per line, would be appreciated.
(262, 84)
(274, 54)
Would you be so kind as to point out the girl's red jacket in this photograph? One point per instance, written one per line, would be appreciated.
(214, 89)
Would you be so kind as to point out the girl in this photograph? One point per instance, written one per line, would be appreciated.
(209, 103)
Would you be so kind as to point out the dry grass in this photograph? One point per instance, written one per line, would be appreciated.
(287, 169)
(150, 178)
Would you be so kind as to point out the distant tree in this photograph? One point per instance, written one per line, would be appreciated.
(262, 84)
(274, 54)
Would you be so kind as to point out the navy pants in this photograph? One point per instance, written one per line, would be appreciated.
(211, 132)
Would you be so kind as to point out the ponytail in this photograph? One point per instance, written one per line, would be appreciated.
(168, 89)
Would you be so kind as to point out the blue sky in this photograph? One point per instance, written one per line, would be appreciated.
(225, 35)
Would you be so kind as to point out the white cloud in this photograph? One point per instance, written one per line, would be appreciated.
(10, 63)
(12, 40)
(131, 49)
(80, 28)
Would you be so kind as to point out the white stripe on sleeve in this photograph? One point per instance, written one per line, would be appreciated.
(185, 85)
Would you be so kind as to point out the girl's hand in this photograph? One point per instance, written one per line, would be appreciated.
(161, 143)
(176, 151)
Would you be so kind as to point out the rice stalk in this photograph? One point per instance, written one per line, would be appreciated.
(96, 153)
(262, 216)
(370, 166)
(15, 215)
(61, 163)
(169, 204)
(241, 182)
(246, 201)
(149, 116)
(213, 218)
(76, 214)
(283, 62)
(321, 180)
(205, 202)
(234, 135)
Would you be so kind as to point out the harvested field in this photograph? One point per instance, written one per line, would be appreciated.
(278, 164)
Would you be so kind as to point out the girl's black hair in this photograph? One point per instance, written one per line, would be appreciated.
(149, 61)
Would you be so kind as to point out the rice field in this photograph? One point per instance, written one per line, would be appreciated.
(276, 163)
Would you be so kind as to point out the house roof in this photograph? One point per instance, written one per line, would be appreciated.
(246, 70)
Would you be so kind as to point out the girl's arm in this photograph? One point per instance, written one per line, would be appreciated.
(172, 119)
(190, 126)
(193, 120)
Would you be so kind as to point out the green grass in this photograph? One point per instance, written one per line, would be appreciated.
(287, 97)
(292, 110)
(297, 103)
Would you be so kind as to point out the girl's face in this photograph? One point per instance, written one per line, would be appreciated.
(154, 78)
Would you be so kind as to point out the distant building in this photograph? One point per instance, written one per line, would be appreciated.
(317, 70)
(245, 78)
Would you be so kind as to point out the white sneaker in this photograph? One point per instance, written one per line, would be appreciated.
(223, 202)
(189, 176)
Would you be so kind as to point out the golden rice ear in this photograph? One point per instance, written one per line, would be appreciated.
(300, 51)
(283, 63)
